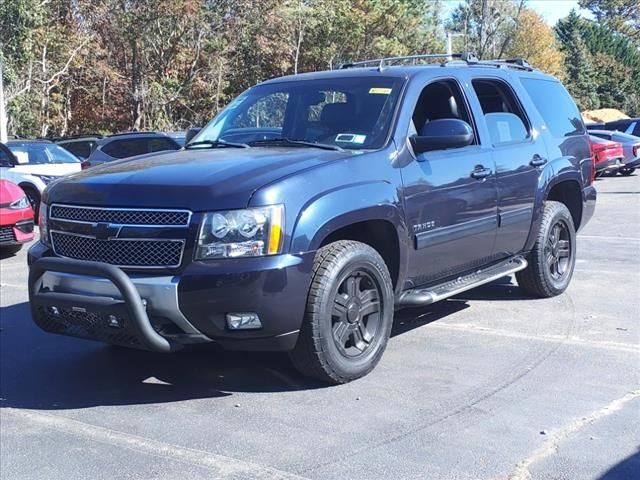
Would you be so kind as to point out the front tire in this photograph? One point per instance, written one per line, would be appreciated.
(553, 257)
(349, 314)
(625, 172)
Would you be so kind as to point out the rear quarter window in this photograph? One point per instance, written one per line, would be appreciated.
(557, 108)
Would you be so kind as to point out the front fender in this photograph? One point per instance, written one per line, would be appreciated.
(345, 206)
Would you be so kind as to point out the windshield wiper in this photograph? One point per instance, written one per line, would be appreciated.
(217, 144)
(289, 142)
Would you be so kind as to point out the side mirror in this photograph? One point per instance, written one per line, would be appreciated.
(442, 134)
(192, 132)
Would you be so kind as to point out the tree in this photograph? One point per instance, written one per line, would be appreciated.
(488, 25)
(620, 15)
(581, 81)
(535, 41)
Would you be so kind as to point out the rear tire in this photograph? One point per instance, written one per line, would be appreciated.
(349, 314)
(553, 257)
(625, 172)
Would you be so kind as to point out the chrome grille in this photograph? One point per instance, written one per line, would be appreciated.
(120, 216)
(6, 234)
(120, 252)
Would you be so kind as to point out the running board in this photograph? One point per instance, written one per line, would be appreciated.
(417, 297)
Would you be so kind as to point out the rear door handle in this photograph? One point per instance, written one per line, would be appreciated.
(537, 161)
(480, 172)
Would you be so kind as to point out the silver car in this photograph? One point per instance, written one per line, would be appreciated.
(630, 148)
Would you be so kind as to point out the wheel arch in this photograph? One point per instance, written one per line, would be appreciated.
(369, 213)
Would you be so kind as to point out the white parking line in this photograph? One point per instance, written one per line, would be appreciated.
(615, 346)
(606, 237)
(550, 447)
(220, 465)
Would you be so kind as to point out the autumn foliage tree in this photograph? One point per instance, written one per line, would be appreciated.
(535, 41)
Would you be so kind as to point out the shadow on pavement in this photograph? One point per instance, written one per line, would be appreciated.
(627, 469)
(46, 371)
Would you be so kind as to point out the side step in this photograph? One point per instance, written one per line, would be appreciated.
(436, 293)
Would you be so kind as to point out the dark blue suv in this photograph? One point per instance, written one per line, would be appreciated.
(315, 205)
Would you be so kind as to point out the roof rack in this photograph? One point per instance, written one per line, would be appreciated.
(134, 133)
(72, 137)
(381, 63)
(465, 57)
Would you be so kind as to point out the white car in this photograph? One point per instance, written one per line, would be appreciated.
(32, 164)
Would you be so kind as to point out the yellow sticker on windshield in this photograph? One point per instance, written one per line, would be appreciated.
(379, 91)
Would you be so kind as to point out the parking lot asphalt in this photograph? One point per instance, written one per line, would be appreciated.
(488, 385)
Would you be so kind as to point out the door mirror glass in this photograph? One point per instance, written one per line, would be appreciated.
(442, 134)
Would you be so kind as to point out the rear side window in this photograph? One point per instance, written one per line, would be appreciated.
(126, 148)
(160, 144)
(557, 108)
(503, 114)
(131, 147)
(79, 149)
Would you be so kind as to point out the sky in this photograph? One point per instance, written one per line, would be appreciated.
(551, 10)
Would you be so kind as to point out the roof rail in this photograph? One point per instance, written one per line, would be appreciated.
(72, 137)
(517, 63)
(381, 63)
(465, 57)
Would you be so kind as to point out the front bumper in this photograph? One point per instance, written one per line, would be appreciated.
(16, 226)
(162, 313)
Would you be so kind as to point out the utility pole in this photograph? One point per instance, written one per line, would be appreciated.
(3, 111)
(450, 36)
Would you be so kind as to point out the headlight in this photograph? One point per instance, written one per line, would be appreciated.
(46, 179)
(253, 232)
(43, 219)
(20, 204)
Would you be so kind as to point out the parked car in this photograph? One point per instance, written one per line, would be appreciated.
(179, 137)
(124, 145)
(630, 148)
(315, 205)
(32, 164)
(608, 156)
(630, 126)
(16, 217)
(80, 145)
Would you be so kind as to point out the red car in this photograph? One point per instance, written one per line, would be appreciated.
(608, 155)
(16, 217)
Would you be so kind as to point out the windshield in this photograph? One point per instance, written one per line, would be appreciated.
(354, 113)
(41, 154)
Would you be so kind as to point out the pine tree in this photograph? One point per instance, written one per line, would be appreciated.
(581, 75)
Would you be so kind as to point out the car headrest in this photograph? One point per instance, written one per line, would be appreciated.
(337, 115)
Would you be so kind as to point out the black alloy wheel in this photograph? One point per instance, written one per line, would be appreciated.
(558, 250)
(356, 313)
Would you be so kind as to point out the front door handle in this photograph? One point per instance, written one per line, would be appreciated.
(537, 161)
(480, 172)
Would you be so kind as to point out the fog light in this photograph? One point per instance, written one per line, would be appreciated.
(243, 321)
(113, 321)
(54, 311)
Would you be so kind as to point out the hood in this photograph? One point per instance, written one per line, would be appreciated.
(199, 180)
(9, 192)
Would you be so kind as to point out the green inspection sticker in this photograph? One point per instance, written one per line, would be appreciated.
(379, 91)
